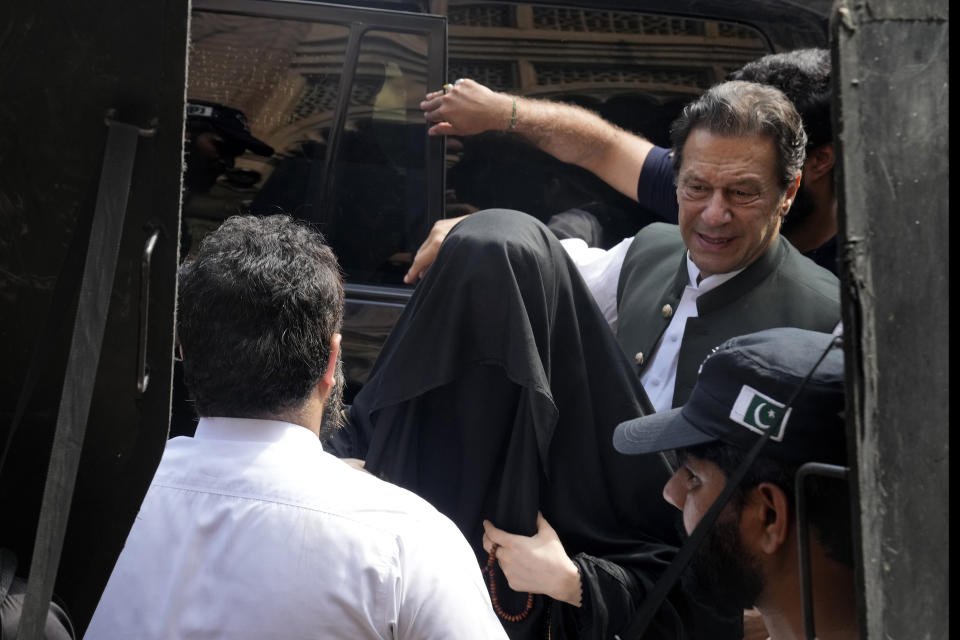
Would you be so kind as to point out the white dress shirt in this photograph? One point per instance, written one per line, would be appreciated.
(251, 530)
(600, 270)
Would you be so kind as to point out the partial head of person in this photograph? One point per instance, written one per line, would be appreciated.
(260, 307)
(738, 157)
(216, 135)
(743, 391)
(804, 76)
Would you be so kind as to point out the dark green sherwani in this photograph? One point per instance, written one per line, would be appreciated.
(781, 289)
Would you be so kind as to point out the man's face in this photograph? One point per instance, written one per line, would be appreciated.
(693, 488)
(209, 156)
(730, 202)
(722, 571)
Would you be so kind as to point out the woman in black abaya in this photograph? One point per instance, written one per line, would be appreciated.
(495, 397)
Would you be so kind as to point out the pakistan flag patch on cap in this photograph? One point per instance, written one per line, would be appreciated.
(760, 413)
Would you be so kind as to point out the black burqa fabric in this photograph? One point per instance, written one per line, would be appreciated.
(496, 395)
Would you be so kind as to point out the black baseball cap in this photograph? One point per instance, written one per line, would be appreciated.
(229, 122)
(742, 392)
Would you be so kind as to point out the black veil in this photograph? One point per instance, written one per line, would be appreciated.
(497, 394)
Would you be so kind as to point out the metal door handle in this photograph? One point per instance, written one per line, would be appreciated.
(143, 371)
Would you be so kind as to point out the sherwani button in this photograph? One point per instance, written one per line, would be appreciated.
(667, 311)
(639, 357)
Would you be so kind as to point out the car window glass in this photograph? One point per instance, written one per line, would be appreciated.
(285, 78)
(380, 189)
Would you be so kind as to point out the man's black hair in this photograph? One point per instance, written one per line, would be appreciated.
(828, 501)
(739, 109)
(804, 76)
(258, 306)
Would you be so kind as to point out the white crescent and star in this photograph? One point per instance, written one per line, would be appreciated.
(756, 415)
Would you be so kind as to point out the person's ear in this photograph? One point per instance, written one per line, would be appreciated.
(790, 194)
(330, 375)
(770, 511)
(819, 161)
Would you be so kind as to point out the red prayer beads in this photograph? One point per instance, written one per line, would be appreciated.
(491, 580)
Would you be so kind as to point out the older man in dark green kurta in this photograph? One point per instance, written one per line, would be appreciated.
(724, 270)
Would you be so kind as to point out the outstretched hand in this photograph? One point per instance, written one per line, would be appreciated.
(535, 564)
(427, 252)
(466, 108)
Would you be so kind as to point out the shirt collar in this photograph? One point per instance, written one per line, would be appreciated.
(254, 430)
(710, 282)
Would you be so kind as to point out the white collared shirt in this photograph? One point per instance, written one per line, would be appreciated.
(660, 377)
(251, 530)
(600, 270)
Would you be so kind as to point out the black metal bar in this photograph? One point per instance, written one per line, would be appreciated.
(397, 296)
(332, 13)
(436, 148)
(324, 197)
(143, 371)
(803, 536)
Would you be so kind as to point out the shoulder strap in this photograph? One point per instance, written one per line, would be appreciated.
(88, 329)
(8, 569)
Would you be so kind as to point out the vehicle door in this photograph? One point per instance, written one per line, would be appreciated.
(91, 141)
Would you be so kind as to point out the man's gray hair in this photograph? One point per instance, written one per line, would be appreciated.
(738, 109)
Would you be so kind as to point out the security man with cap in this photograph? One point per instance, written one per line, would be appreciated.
(216, 136)
(786, 387)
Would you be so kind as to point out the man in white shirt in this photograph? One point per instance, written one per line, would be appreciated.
(249, 529)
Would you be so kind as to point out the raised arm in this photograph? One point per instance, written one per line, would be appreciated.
(567, 132)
